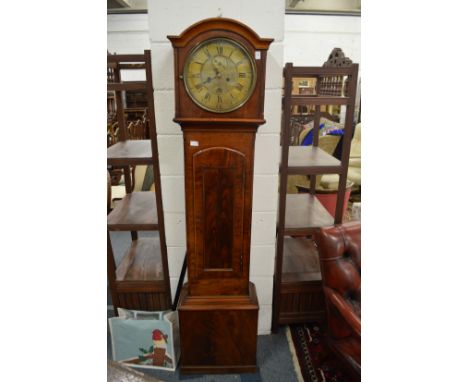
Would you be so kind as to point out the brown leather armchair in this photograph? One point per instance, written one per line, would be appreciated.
(340, 261)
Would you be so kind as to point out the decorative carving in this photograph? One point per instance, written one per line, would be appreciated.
(337, 59)
(333, 85)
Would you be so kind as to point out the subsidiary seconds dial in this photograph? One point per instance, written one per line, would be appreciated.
(219, 75)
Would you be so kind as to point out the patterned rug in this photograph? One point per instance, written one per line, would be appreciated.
(313, 360)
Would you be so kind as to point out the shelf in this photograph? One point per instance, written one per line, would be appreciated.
(313, 71)
(305, 213)
(130, 152)
(301, 261)
(142, 262)
(311, 160)
(306, 100)
(135, 212)
(125, 58)
(123, 86)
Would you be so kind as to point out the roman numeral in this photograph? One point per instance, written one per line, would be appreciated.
(207, 52)
(219, 104)
(238, 86)
(194, 75)
(199, 87)
(219, 48)
(241, 75)
(207, 96)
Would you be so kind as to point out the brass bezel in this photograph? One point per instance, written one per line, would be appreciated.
(252, 63)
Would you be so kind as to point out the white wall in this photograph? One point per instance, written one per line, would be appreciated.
(171, 18)
(309, 39)
(127, 33)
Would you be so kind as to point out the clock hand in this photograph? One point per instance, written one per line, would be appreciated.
(218, 74)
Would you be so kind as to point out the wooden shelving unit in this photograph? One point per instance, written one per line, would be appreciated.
(298, 294)
(141, 279)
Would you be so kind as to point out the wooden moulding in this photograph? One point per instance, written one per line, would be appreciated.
(218, 333)
(213, 124)
(135, 212)
(220, 23)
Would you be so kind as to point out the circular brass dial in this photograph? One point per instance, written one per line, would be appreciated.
(219, 75)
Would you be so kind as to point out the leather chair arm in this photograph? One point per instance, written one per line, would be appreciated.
(345, 310)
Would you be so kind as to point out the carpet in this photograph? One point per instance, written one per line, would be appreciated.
(313, 360)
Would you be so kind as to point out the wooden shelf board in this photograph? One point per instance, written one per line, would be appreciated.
(130, 85)
(300, 261)
(304, 214)
(125, 58)
(305, 71)
(135, 212)
(311, 160)
(306, 100)
(142, 262)
(130, 152)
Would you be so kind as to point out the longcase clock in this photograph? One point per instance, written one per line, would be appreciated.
(219, 96)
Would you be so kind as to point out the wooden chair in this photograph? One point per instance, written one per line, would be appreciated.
(340, 262)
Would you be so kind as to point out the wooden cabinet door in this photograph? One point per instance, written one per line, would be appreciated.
(219, 215)
(218, 210)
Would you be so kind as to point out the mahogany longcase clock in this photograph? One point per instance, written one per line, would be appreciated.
(219, 96)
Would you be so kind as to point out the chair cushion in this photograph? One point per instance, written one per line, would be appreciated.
(330, 181)
(355, 162)
(354, 175)
(355, 151)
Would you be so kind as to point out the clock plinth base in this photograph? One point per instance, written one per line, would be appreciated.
(218, 334)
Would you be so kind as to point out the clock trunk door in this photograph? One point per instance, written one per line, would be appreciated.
(219, 208)
(219, 200)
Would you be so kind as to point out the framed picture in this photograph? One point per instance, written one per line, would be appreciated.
(324, 7)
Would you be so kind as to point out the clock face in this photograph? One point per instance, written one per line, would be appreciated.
(219, 75)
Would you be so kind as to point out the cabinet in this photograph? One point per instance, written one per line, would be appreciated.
(298, 294)
(141, 279)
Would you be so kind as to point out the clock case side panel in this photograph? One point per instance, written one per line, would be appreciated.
(203, 281)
